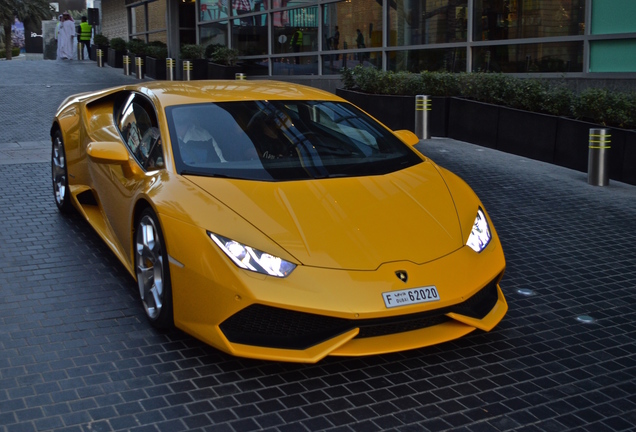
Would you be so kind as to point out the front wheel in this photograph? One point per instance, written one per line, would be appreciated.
(59, 173)
(153, 272)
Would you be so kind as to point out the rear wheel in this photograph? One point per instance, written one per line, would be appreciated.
(59, 173)
(153, 273)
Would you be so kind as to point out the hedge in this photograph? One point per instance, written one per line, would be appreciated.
(599, 106)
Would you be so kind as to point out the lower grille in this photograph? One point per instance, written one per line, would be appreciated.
(267, 326)
(479, 304)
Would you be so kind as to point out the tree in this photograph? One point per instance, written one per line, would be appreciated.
(27, 11)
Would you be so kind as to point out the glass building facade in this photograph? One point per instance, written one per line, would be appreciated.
(319, 37)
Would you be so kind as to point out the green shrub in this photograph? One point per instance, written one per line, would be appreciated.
(224, 56)
(209, 49)
(137, 47)
(118, 44)
(439, 83)
(192, 52)
(531, 94)
(494, 88)
(369, 80)
(157, 52)
(100, 40)
(14, 52)
(348, 78)
(558, 100)
(606, 108)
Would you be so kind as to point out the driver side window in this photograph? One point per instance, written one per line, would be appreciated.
(139, 129)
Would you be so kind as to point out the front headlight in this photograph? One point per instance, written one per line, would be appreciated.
(480, 234)
(252, 259)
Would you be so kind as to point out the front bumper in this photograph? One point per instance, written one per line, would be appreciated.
(271, 327)
(317, 312)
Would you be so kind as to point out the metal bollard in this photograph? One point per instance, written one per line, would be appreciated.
(598, 157)
(100, 57)
(187, 70)
(422, 108)
(126, 65)
(239, 76)
(139, 67)
(170, 64)
(80, 51)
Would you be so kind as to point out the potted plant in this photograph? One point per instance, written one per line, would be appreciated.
(137, 51)
(223, 63)
(116, 51)
(156, 54)
(100, 42)
(195, 55)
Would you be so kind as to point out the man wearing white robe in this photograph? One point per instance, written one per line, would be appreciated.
(65, 38)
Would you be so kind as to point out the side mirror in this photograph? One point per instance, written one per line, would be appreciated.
(108, 152)
(407, 137)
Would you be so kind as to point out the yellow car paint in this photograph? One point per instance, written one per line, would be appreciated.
(346, 251)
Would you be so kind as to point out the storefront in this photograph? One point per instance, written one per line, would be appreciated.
(309, 37)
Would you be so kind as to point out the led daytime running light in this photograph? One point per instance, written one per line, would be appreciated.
(252, 259)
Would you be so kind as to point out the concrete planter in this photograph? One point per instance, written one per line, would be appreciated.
(571, 143)
(527, 134)
(115, 58)
(628, 171)
(156, 68)
(473, 122)
(199, 69)
(219, 71)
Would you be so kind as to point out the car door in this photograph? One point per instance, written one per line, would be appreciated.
(120, 184)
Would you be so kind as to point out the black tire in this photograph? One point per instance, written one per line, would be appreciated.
(153, 270)
(59, 174)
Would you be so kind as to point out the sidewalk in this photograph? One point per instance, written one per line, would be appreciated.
(33, 90)
(25, 152)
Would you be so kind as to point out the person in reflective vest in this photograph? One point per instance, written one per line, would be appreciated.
(86, 32)
(296, 43)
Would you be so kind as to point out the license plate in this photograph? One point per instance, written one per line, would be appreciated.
(410, 296)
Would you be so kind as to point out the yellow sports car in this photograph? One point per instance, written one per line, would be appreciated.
(276, 221)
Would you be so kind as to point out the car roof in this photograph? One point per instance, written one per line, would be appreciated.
(191, 92)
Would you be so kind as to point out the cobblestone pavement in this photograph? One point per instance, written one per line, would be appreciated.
(76, 352)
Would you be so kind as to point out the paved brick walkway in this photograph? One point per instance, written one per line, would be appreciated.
(76, 353)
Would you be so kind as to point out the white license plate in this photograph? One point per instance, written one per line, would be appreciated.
(410, 296)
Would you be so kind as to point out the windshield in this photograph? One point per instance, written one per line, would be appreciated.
(282, 140)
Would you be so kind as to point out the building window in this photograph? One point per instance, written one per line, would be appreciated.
(358, 24)
(516, 19)
(295, 31)
(417, 60)
(282, 37)
(298, 65)
(413, 22)
(250, 39)
(613, 55)
(148, 21)
(542, 57)
(213, 33)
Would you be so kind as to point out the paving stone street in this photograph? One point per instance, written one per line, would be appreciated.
(77, 353)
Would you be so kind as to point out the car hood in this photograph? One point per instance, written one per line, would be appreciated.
(355, 223)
